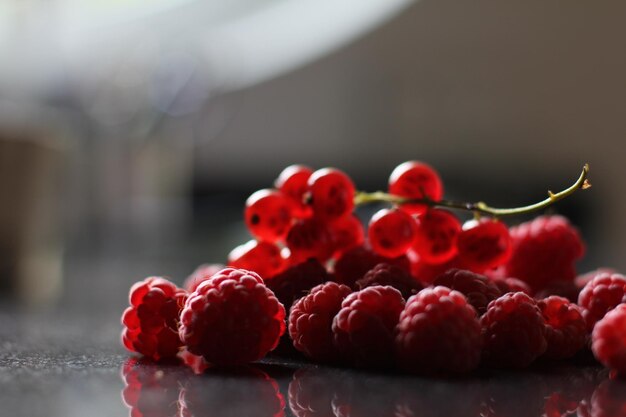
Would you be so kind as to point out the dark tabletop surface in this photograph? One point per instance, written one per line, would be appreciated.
(65, 364)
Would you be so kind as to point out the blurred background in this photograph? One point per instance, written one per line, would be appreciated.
(132, 131)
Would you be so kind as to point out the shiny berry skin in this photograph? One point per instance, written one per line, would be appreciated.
(201, 274)
(514, 331)
(309, 238)
(293, 183)
(609, 340)
(347, 233)
(264, 258)
(566, 332)
(602, 294)
(391, 232)
(364, 327)
(477, 289)
(438, 330)
(484, 244)
(331, 194)
(232, 319)
(151, 321)
(436, 235)
(544, 250)
(268, 215)
(311, 318)
(414, 179)
(392, 275)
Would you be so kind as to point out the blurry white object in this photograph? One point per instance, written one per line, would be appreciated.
(72, 44)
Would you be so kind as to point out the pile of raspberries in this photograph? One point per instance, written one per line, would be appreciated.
(519, 301)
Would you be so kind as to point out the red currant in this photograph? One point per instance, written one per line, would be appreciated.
(292, 182)
(331, 194)
(309, 238)
(414, 179)
(268, 215)
(347, 233)
(391, 232)
(264, 258)
(484, 244)
(436, 235)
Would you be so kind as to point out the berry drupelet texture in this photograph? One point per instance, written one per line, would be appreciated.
(393, 276)
(295, 282)
(478, 289)
(566, 332)
(609, 340)
(602, 294)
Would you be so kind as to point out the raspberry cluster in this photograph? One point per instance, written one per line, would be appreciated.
(418, 289)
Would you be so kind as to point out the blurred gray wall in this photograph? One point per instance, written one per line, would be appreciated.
(518, 92)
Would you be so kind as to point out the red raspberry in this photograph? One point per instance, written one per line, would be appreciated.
(565, 289)
(514, 331)
(438, 331)
(292, 182)
(484, 244)
(201, 274)
(584, 279)
(414, 179)
(331, 194)
(544, 250)
(609, 340)
(356, 262)
(511, 285)
(391, 232)
(295, 282)
(392, 275)
(242, 391)
(264, 258)
(601, 295)
(436, 235)
(310, 321)
(364, 327)
(477, 288)
(151, 321)
(232, 319)
(150, 390)
(566, 332)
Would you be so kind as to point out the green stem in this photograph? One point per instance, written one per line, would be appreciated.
(480, 207)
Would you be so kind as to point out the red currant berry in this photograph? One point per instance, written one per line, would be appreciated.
(268, 215)
(391, 232)
(347, 233)
(292, 182)
(484, 244)
(436, 235)
(331, 194)
(264, 258)
(309, 238)
(415, 179)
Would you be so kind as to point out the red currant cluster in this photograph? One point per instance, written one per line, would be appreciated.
(419, 290)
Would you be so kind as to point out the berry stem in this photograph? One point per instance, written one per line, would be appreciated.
(582, 183)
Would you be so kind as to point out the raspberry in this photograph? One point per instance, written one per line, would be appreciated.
(150, 390)
(601, 295)
(438, 331)
(356, 262)
(151, 321)
(391, 232)
(331, 194)
(268, 215)
(477, 288)
(292, 182)
(436, 235)
(264, 258)
(364, 327)
(414, 179)
(565, 289)
(566, 332)
(511, 285)
(232, 318)
(309, 238)
(609, 340)
(584, 279)
(201, 274)
(295, 282)
(310, 321)
(346, 234)
(484, 244)
(243, 391)
(544, 250)
(514, 331)
(392, 275)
